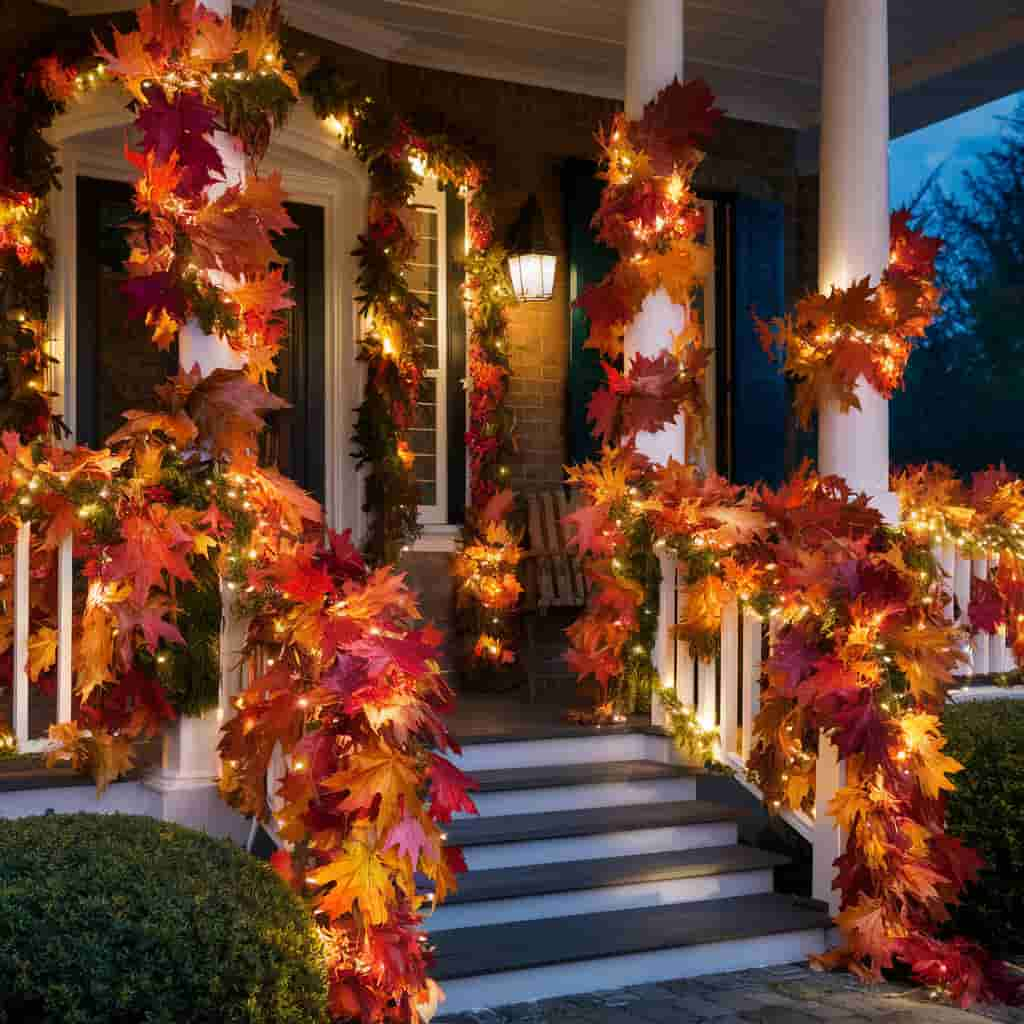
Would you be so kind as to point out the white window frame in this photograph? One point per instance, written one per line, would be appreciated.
(430, 194)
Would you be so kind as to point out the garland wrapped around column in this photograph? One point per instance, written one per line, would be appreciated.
(344, 681)
(862, 651)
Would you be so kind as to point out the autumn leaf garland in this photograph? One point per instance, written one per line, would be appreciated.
(831, 341)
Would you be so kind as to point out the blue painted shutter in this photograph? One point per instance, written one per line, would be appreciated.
(758, 396)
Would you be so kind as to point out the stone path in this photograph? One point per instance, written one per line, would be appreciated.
(771, 995)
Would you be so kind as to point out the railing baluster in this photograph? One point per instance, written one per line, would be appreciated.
(946, 555)
(979, 643)
(664, 648)
(22, 554)
(730, 676)
(65, 587)
(751, 675)
(829, 777)
(962, 590)
(706, 709)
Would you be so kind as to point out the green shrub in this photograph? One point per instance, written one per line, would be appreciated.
(987, 812)
(117, 919)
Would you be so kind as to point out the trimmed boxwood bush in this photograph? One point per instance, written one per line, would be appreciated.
(125, 919)
(987, 812)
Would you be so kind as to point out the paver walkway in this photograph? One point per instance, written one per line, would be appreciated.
(771, 995)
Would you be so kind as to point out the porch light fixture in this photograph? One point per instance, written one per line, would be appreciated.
(531, 260)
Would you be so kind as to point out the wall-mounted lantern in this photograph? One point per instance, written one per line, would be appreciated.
(531, 260)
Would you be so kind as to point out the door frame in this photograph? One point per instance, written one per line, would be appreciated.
(316, 171)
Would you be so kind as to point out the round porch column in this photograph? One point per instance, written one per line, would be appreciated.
(854, 221)
(654, 56)
(190, 764)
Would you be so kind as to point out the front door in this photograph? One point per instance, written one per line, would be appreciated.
(117, 365)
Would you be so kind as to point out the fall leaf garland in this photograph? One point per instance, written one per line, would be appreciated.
(831, 341)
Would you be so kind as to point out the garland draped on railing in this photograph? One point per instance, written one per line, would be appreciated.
(862, 652)
(176, 511)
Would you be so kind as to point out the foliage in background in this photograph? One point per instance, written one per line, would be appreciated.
(987, 812)
(115, 918)
(970, 363)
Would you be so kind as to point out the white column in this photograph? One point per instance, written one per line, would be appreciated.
(654, 56)
(190, 758)
(854, 221)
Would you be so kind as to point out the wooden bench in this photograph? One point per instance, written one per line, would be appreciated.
(553, 577)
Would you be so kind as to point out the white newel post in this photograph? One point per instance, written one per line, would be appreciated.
(853, 243)
(191, 766)
(654, 56)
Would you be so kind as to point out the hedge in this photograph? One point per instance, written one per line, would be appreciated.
(128, 920)
(987, 812)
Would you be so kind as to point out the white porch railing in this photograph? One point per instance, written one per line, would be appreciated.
(726, 693)
(30, 730)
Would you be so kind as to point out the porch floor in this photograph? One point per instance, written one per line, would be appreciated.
(485, 716)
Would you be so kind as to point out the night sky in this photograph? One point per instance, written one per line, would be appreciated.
(955, 143)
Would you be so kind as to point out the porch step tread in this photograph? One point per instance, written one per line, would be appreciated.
(558, 731)
(501, 780)
(518, 945)
(608, 872)
(513, 828)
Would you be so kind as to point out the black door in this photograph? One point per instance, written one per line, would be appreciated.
(117, 365)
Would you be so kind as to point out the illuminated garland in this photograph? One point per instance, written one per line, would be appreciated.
(651, 216)
(177, 506)
(30, 98)
(866, 330)
(984, 519)
(486, 563)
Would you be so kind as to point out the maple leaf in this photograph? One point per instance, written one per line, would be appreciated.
(157, 293)
(150, 546)
(409, 839)
(380, 778)
(987, 610)
(679, 118)
(357, 876)
(42, 652)
(865, 927)
(590, 524)
(603, 412)
(449, 789)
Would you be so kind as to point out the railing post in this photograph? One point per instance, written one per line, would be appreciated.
(730, 676)
(752, 639)
(20, 595)
(830, 776)
(664, 648)
(65, 627)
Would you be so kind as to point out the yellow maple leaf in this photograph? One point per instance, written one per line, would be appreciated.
(357, 873)
(42, 651)
(378, 772)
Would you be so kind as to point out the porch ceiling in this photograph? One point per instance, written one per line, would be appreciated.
(762, 59)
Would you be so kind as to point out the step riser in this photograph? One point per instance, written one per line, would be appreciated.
(592, 847)
(501, 989)
(478, 757)
(586, 901)
(574, 798)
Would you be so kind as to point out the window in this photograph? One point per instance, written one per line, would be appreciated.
(428, 279)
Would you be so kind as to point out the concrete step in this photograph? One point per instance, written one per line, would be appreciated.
(516, 840)
(615, 883)
(498, 964)
(572, 786)
(564, 745)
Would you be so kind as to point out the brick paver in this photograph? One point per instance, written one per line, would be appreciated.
(771, 995)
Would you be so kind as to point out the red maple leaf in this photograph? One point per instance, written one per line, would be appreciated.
(590, 523)
(679, 118)
(449, 789)
(987, 610)
(182, 126)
